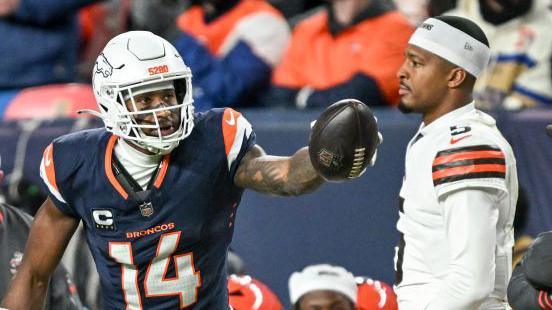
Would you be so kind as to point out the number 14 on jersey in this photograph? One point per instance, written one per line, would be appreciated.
(184, 285)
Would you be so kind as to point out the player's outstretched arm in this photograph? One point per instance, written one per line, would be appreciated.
(48, 238)
(282, 176)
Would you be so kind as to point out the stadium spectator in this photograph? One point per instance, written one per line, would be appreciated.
(247, 293)
(373, 295)
(530, 287)
(14, 230)
(520, 70)
(293, 8)
(415, 11)
(323, 287)
(99, 23)
(351, 49)
(231, 47)
(418, 10)
(40, 42)
(157, 16)
(438, 7)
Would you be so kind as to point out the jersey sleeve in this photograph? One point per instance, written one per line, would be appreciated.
(469, 224)
(474, 165)
(51, 176)
(238, 138)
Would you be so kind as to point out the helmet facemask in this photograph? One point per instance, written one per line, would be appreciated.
(144, 127)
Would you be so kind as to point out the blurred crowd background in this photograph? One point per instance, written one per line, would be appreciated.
(281, 58)
(278, 53)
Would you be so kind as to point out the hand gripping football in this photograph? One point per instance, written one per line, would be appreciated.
(343, 140)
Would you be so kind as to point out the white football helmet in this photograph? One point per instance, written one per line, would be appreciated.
(134, 61)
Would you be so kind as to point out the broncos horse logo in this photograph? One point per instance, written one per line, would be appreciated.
(103, 66)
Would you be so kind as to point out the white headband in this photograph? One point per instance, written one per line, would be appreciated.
(454, 45)
(322, 277)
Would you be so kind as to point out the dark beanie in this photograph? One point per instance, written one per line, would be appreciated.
(537, 263)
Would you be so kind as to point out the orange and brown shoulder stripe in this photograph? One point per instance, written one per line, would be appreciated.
(471, 162)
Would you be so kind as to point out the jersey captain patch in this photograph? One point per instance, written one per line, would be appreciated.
(480, 161)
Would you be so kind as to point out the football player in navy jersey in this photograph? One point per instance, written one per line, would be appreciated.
(157, 199)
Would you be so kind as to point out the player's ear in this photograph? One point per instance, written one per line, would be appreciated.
(456, 77)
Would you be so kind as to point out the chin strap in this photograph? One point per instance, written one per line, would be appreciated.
(152, 150)
(110, 123)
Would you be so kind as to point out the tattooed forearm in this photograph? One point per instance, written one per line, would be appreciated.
(284, 176)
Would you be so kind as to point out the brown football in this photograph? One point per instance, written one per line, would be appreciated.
(343, 140)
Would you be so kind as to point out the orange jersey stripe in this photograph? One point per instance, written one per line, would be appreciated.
(229, 128)
(163, 172)
(468, 169)
(467, 155)
(109, 168)
(49, 166)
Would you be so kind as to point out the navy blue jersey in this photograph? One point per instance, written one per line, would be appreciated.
(164, 247)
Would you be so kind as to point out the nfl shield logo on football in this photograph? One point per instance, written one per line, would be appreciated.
(146, 209)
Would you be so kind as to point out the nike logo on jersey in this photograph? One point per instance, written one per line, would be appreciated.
(453, 140)
(231, 121)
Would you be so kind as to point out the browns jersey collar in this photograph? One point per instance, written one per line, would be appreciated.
(447, 119)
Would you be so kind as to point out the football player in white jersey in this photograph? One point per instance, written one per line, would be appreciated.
(460, 185)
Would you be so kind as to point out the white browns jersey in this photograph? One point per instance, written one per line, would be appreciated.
(460, 152)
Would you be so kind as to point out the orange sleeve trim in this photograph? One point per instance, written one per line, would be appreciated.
(49, 166)
(163, 171)
(229, 128)
(467, 155)
(109, 169)
(468, 169)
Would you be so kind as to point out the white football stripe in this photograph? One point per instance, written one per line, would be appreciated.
(244, 128)
(52, 189)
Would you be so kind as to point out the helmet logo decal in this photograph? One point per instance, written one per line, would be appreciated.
(103, 66)
(158, 70)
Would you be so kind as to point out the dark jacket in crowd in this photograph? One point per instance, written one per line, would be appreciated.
(39, 43)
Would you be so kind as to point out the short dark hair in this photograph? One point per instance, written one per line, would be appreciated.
(465, 25)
